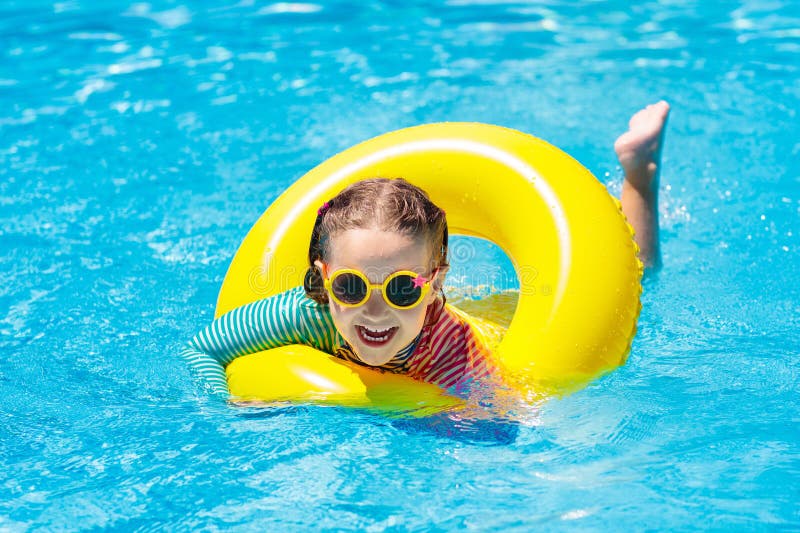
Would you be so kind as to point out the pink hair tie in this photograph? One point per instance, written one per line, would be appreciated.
(323, 208)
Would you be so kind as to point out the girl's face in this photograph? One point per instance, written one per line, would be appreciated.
(375, 330)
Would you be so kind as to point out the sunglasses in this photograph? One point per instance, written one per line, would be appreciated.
(401, 290)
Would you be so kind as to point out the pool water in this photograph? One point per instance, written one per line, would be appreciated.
(140, 141)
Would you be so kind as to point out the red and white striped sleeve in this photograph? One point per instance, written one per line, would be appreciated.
(450, 353)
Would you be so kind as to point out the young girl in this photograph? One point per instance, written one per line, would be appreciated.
(377, 263)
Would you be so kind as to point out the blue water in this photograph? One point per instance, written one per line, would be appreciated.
(139, 142)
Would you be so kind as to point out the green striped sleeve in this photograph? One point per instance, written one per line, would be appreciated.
(286, 318)
(318, 328)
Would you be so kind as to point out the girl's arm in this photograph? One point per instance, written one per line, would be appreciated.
(286, 318)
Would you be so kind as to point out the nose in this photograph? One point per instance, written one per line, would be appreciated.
(375, 305)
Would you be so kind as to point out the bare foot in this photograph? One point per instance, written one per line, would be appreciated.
(639, 148)
(639, 153)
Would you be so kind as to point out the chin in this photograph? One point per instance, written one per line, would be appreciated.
(374, 359)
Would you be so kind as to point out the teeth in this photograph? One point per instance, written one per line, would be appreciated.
(376, 335)
(378, 331)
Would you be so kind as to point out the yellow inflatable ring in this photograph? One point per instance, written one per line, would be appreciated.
(570, 245)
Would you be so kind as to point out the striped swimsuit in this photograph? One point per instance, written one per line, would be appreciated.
(446, 353)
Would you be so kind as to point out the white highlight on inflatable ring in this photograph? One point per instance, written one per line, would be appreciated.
(454, 145)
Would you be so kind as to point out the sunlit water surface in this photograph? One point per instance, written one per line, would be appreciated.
(139, 142)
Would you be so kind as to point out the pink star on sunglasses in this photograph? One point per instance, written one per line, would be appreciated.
(419, 281)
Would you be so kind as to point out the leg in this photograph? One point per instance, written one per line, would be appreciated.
(639, 153)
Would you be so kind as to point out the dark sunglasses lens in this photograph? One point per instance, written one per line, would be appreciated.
(349, 288)
(402, 292)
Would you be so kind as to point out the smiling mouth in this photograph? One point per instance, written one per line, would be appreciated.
(375, 337)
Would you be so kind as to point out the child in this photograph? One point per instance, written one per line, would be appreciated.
(377, 263)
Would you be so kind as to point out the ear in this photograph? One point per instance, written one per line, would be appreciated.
(438, 279)
(320, 266)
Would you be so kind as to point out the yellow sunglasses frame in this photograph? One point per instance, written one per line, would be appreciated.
(328, 280)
